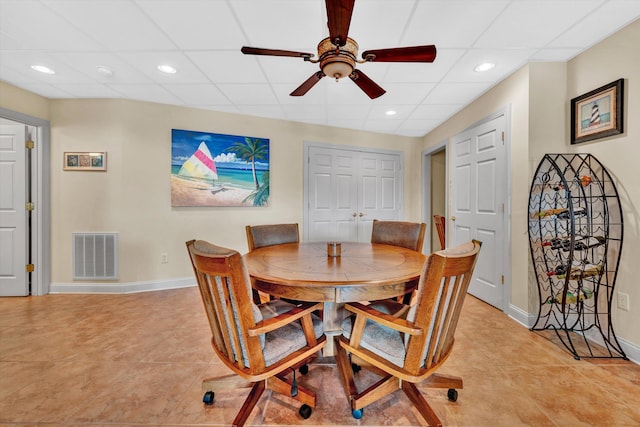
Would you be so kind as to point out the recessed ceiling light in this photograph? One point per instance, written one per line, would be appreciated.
(391, 113)
(104, 70)
(167, 69)
(485, 66)
(43, 69)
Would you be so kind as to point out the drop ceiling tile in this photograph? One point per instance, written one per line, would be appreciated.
(534, 23)
(378, 111)
(305, 112)
(379, 24)
(456, 93)
(609, 18)
(506, 62)
(451, 24)
(228, 66)
(150, 93)
(418, 127)
(341, 113)
(344, 92)
(87, 62)
(404, 93)
(21, 62)
(382, 126)
(282, 24)
(197, 94)
(248, 94)
(147, 63)
(424, 72)
(38, 27)
(316, 95)
(434, 111)
(221, 108)
(269, 111)
(554, 55)
(113, 24)
(196, 24)
(280, 69)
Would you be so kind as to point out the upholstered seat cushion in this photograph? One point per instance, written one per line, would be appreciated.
(383, 341)
(283, 341)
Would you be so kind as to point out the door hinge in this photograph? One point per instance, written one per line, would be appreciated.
(502, 279)
(503, 137)
(30, 145)
(29, 206)
(30, 268)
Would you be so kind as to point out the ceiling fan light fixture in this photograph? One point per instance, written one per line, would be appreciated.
(337, 62)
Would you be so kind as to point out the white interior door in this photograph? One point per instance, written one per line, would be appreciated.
(346, 189)
(478, 191)
(13, 216)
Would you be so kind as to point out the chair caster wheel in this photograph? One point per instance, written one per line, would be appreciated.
(304, 369)
(357, 413)
(207, 399)
(452, 394)
(305, 411)
(356, 368)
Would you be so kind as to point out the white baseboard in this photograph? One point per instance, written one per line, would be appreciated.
(631, 350)
(120, 288)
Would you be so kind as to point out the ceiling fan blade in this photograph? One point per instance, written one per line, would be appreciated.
(367, 85)
(274, 52)
(338, 20)
(402, 54)
(308, 84)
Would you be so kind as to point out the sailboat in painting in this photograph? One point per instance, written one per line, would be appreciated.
(201, 166)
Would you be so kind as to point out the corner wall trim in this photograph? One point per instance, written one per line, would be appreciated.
(120, 288)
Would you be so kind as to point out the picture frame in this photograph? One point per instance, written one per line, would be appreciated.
(598, 114)
(85, 161)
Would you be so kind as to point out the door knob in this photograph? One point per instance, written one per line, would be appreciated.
(354, 214)
(361, 214)
(453, 218)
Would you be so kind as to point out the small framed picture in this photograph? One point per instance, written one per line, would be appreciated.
(85, 161)
(597, 114)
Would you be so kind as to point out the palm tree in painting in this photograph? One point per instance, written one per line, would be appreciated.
(260, 196)
(251, 150)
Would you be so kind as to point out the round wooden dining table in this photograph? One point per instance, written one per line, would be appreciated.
(362, 272)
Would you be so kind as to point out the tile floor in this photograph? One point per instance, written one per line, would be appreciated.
(138, 360)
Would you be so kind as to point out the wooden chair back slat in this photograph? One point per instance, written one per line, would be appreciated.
(441, 226)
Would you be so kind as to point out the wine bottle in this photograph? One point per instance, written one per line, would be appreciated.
(586, 270)
(574, 296)
(562, 213)
(580, 243)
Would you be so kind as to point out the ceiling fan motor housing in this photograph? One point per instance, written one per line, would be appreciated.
(335, 61)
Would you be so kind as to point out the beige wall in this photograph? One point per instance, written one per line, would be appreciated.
(539, 97)
(21, 101)
(615, 58)
(133, 196)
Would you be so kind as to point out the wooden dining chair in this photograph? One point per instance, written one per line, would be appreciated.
(409, 351)
(441, 225)
(406, 234)
(259, 236)
(262, 343)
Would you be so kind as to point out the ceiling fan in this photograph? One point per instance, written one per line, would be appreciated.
(337, 54)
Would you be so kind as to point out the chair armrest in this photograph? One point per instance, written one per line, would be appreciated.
(384, 319)
(280, 320)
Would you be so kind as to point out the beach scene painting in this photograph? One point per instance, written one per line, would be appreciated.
(210, 169)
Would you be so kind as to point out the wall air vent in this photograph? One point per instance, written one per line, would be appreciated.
(95, 256)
